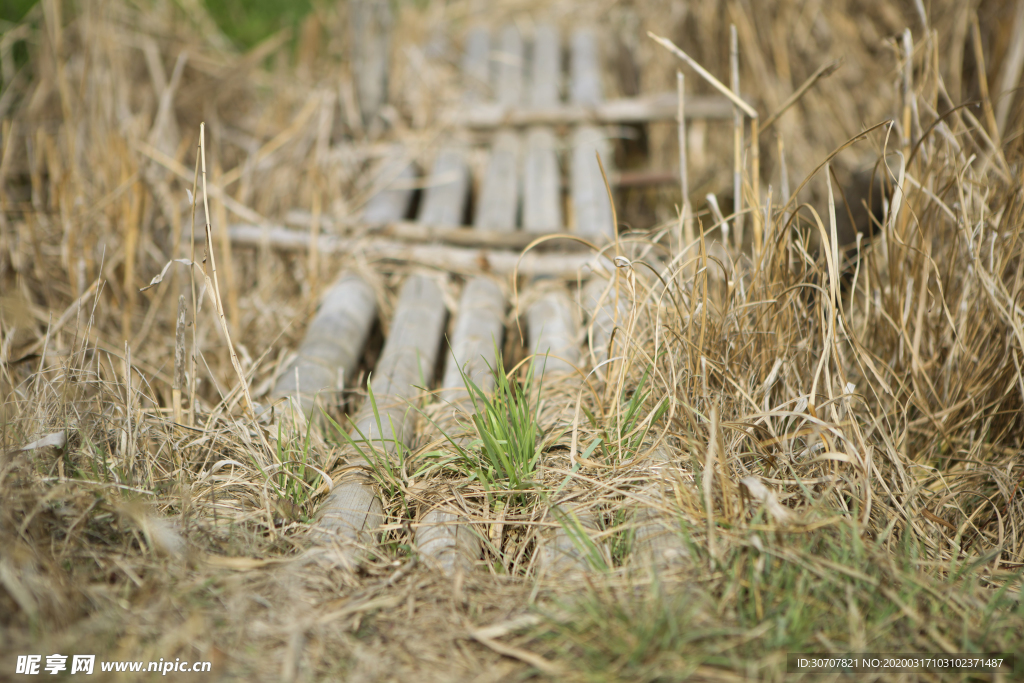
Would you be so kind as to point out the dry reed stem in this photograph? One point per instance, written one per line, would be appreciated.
(213, 285)
(179, 362)
(686, 215)
(737, 139)
(734, 97)
(228, 262)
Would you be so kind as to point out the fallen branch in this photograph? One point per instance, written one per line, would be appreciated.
(471, 260)
(656, 107)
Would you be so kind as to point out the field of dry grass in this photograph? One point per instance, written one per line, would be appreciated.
(843, 416)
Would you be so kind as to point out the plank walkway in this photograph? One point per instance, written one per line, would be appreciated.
(519, 195)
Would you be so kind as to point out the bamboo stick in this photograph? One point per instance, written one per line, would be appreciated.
(448, 188)
(606, 310)
(352, 513)
(542, 201)
(656, 541)
(542, 197)
(644, 109)
(444, 537)
(499, 193)
(476, 65)
(392, 202)
(371, 47)
(592, 210)
(553, 333)
(332, 346)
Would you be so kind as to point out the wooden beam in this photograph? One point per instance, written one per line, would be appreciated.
(553, 333)
(657, 541)
(447, 538)
(542, 194)
(463, 260)
(447, 189)
(546, 67)
(607, 309)
(392, 202)
(585, 86)
(331, 349)
(371, 47)
(476, 65)
(564, 550)
(479, 330)
(507, 73)
(662, 106)
(498, 207)
(590, 201)
(351, 514)
(447, 541)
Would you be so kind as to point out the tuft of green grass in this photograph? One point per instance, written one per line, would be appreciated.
(507, 425)
(293, 466)
(634, 424)
(247, 22)
(504, 454)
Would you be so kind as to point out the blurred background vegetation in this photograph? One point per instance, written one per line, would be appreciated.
(15, 10)
(246, 22)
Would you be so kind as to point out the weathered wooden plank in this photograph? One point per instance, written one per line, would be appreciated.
(371, 47)
(542, 192)
(546, 67)
(444, 537)
(508, 68)
(662, 106)
(476, 67)
(568, 548)
(409, 354)
(553, 333)
(448, 186)
(585, 69)
(444, 201)
(330, 351)
(391, 203)
(448, 541)
(590, 201)
(657, 541)
(606, 308)
(499, 194)
(352, 512)
(478, 332)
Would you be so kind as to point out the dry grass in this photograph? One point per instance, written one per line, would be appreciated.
(874, 394)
